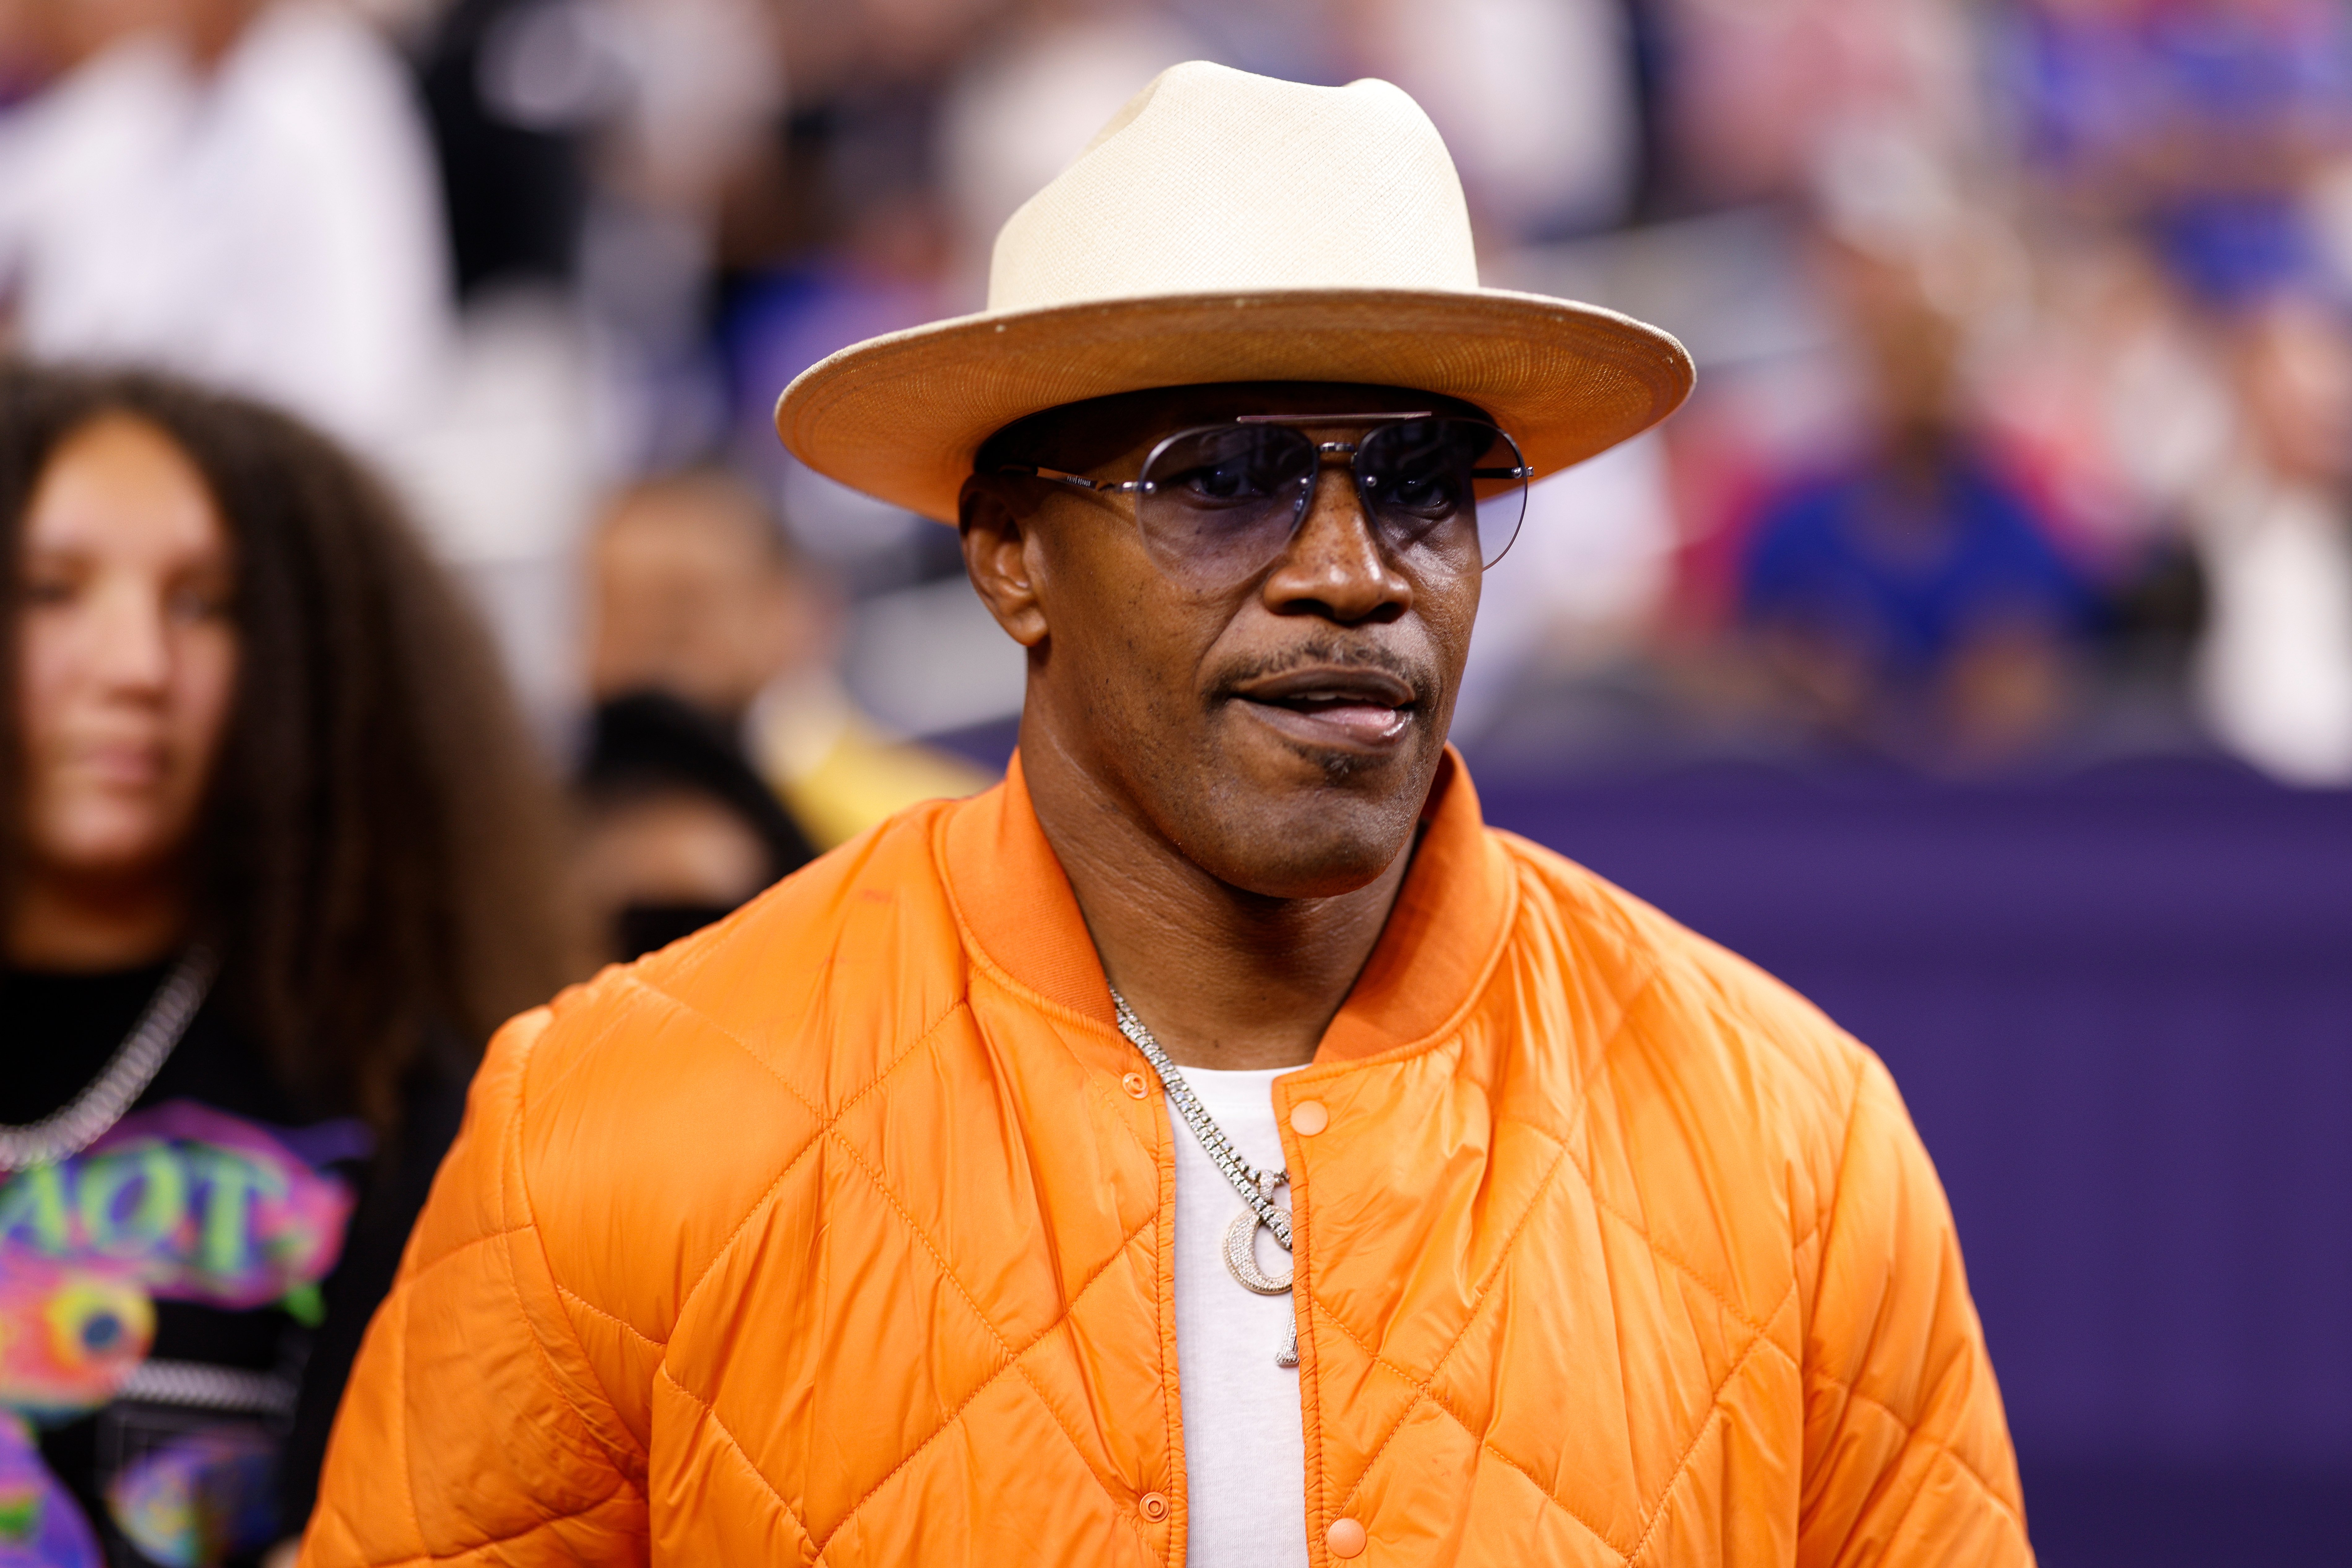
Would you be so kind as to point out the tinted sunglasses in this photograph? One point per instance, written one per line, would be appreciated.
(1219, 503)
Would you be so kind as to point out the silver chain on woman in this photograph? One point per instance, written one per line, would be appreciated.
(84, 1119)
(1256, 1186)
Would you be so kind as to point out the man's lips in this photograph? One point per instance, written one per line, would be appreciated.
(1333, 704)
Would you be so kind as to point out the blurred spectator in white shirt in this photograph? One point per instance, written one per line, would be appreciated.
(1536, 100)
(2274, 672)
(1024, 107)
(239, 193)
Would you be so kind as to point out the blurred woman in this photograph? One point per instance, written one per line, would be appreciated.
(275, 861)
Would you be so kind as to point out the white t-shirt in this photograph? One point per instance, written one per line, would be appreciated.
(274, 224)
(1245, 1454)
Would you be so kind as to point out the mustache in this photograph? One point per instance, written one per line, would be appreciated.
(1325, 652)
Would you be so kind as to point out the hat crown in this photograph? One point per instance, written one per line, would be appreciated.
(1214, 181)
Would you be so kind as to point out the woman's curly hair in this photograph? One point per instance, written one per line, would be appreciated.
(376, 858)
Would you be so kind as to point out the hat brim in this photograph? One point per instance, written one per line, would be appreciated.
(901, 417)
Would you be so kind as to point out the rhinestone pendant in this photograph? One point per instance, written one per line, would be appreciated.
(1241, 1249)
(1241, 1262)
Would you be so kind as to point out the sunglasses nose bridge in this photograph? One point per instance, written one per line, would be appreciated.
(1338, 482)
(1351, 451)
(1310, 482)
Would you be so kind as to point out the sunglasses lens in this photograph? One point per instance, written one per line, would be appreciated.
(1448, 488)
(1219, 503)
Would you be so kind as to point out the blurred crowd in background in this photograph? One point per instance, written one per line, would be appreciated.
(2023, 436)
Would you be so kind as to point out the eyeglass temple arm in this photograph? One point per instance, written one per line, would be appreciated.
(1101, 486)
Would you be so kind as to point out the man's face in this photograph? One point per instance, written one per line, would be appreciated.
(690, 597)
(1282, 733)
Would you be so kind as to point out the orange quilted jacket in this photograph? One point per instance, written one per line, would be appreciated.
(840, 1232)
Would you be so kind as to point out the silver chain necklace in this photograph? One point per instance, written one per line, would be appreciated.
(1256, 1186)
(84, 1119)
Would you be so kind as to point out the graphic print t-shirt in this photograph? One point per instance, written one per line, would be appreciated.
(180, 1301)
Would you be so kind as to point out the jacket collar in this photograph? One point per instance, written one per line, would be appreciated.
(1440, 940)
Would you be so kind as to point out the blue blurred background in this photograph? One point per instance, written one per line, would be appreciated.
(1975, 652)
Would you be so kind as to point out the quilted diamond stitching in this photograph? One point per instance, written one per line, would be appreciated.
(1583, 1109)
(826, 1124)
(718, 1423)
(1653, 1510)
(1432, 1396)
(1478, 1309)
(938, 1259)
(1657, 1509)
(1375, 1357)
(1487, 1445)
(1665, 1254)
(628, 1499)
(947, 1273)
(828, 1127)
(1911, 1428)
(988, 1382)
(1759, 1337)
(629, 979)
(426, 1265)
(1758, 1334)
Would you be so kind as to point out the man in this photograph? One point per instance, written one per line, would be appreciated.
(875, 1225)
(698, 593)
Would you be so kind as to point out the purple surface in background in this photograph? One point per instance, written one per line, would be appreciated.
(2120, 1009)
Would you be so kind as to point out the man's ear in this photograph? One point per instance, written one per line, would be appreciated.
(1001, 554)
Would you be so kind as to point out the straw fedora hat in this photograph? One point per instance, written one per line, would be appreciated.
(1225, 227)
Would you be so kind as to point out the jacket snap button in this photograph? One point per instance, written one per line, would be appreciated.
(1133, 1084)
(1309, 1116)
(1154, 1507)
(1345, 1538)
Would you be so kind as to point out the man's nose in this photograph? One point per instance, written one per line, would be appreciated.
(1334, 565)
